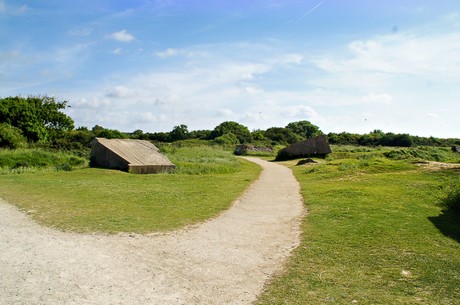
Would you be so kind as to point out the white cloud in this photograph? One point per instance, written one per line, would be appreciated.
(23, 9)
(301, 112)
(225, 113)
(432, 116)
(117, 51)
(292, 59)
(83, 31)
(167, 53)
(91, 103)
(252, 90)
(120, 92)
(401, 54)
(373, 98)
(122, 36)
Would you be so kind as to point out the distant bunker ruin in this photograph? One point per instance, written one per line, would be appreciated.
(132, 156)
(312, 147)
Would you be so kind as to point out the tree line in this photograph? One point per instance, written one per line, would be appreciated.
(39, 120)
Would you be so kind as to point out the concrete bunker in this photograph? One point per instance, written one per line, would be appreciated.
(132, 156)
(312, 147)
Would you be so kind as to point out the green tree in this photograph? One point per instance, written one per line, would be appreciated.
(283, 136)
(179, 133)
(102, 132)
(304, 129)
(200, 134)
(241, 132)
(38, 117)
(138, 134)
(226, 139)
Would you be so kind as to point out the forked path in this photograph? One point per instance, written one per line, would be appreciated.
(226, 260)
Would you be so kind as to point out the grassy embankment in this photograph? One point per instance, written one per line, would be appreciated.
(375, 232)
(207, 181)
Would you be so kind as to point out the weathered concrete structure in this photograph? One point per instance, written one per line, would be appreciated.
(244, 149)
(317, 146)
(133, 156)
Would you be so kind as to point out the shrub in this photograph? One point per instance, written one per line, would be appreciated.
(226, 139)
(11, 137)
(452, 201)
(34, 159)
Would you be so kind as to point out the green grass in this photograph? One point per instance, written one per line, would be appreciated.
(98, 200)
(374, 234)
(204, 159)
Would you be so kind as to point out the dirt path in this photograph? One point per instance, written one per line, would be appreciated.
(223, 261)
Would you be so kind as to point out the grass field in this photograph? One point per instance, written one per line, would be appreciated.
(374, 234)
(98, 200)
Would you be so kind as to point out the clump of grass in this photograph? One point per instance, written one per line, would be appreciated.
(451, 201)
(33, 160)
(438, 154)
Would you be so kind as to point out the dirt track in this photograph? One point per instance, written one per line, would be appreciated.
(226, 260)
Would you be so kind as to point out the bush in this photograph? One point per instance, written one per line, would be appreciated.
(11, 137)
(226, 139)
(452, 201)
(23, 159)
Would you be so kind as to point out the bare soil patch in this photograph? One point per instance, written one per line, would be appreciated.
(226, 260)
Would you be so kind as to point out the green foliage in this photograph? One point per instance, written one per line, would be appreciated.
(226, 139)
(38, 117)
(283, 136)
(305, 129)
(451, 201)
(439, 154)
(32, 160)
(379, 138)
(102, 132)
(179, 133)
(258, 135)
(11, 137)
(241, 132)
(200, 134)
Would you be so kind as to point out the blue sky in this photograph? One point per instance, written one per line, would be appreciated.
(345, 65)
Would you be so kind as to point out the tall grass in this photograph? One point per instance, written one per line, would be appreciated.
(204, 159)
(414, 154)
(33, 160)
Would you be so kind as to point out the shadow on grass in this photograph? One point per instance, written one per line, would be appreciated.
(448, 222)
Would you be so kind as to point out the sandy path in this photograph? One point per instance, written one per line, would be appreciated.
(223, 261)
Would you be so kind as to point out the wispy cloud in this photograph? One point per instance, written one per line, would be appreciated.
(309, 12)
(122, 36)
(167, 53)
